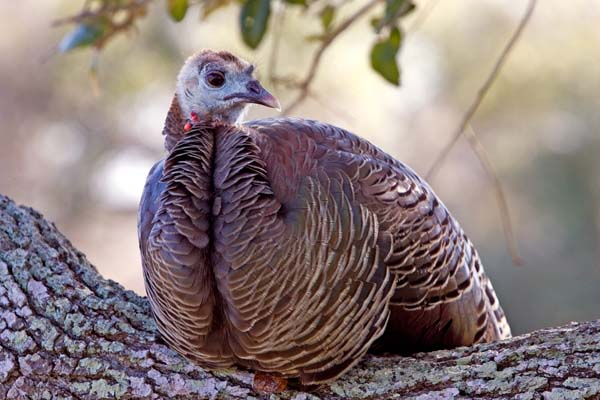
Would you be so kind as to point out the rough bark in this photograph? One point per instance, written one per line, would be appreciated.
(66, 332)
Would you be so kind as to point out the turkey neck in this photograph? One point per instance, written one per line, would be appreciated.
(173, 130)
(174, 123)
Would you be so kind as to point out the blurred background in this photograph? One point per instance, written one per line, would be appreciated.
(81, 158)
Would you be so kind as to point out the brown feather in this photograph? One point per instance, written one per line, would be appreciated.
(292, 247)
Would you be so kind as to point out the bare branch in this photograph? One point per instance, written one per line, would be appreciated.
(596, 211)
(304, 85)
(288, 82)
(278, 21)
(107, 10)
(422, 16)
(507, 227)
(483, 90)
(332, 108)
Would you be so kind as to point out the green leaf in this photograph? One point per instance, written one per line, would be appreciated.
(394, 10)
(177, 9)
(327, 17)
(254, 17)
(297, 2)
(398, 8)
(395, 38)
(84, 34)
(383, 57)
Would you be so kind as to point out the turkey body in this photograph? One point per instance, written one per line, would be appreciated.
(292, 247)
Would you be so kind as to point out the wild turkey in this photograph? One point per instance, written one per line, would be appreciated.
(291, 246)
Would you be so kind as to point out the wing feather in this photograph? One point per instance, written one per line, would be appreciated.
(443, 297)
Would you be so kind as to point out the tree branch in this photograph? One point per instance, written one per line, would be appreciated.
(483, 90)
(278, 20)
(107, 10)
(66, 332)
(488, 166)
(422, 16)
(304, 85)
(476, 144)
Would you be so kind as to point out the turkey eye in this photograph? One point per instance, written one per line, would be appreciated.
(215, 79)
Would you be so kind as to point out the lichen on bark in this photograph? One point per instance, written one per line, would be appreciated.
(66, 332)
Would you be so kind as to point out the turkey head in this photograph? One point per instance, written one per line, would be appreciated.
(218, 86)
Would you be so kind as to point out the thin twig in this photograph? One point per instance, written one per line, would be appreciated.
(288, 82)
(483, 90)
(421, 16)
(132, 11)
(304, 85)
(331, 107)
(277, 28)
(106, 10)
(507, 227)
(596, 211)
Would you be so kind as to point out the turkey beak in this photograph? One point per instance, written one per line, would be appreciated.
(259, 95)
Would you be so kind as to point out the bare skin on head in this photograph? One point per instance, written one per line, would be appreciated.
(217, 86)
